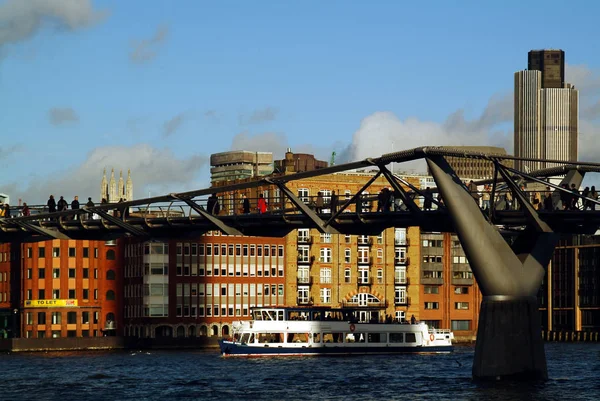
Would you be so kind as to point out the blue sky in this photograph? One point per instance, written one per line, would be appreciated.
(157, 86)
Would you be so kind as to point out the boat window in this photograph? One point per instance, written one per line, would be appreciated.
(316, 337)
(333, 337)
(316, 316)
(257, 315)
(377, 337)
(280, 315)
(245, 338)
(270, 338)
(411, 338)
(297, 338)
(396, 337)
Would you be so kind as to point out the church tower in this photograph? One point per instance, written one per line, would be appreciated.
(112, 188)
(121, 187)
(129, 187)
(104, 187)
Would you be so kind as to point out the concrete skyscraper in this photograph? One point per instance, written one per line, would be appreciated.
(546, 111)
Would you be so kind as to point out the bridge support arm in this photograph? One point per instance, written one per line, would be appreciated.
(43, 231)
(116, 221)
(509, 342)
(214, 220)
(308, 212)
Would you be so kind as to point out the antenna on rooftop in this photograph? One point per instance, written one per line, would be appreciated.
(332, 161)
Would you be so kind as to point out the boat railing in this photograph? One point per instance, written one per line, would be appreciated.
(439, 331)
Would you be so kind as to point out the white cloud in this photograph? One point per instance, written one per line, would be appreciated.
(145, 50)
(62, 115)
(22, 19)
(156, 170)
(259, 116)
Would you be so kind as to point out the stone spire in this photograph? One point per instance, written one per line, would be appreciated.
(129, 187)
(103, 187)
(112, 188)
(121, 194)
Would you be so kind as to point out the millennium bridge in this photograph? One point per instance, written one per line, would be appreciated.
(508, 248)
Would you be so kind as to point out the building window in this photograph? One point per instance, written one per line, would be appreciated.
(41, 252)
(55, 252)
(432, 305)
(86, 252)
(56, 294)
(85, 317)
(461, 290)
(304, 195)
(461, 325)
(41, 294)
(110, 295)
(400, 295)
(110, 274)
(86, 293)
(29, 253)
(325, 276)
(347, 276)
(41, 273)
(86, 272)
(71, 252)
(303, 295)
(71, 317)
(325, 255)
(400, 275)
(363, 254)
(56, 317)
(71, 273)
(325, 238)
(72, 294)
(461, 305)
(110, 254)
(325, 295)
(431, 289)
(56, 272)
(379, 276)
(41, 318)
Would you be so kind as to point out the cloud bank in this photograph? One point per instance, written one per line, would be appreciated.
(22, 19)
(158, 171)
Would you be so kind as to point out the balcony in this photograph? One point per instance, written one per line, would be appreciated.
(462, 281)
(305, 280)
(365, 261)
(404, 302)
(371, 305)
(304, 300)
(402, 281)
(305, 240)
(306, 261)
(432, 280)
(365, 281)
(401, 242)
(402, 261)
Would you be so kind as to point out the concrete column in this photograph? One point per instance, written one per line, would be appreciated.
(509, 341)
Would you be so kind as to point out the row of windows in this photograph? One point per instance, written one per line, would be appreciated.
(110, 254)
(71, 294)
(230, 250)
(4, 277)
(457, 305)
(72, 273)
(57, 317)
(435, 289)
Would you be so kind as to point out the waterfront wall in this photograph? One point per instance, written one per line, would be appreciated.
(61, 344)
(571, 336)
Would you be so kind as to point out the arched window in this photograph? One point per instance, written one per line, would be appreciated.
(180, 331)
(225, 331)
(192, 331)
(110, 274)
(110, 295)
(215, 330)
(110, 255)
(203, 331)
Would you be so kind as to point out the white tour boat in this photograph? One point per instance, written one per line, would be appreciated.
(287, 331)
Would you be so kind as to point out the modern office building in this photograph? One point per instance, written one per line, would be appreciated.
(239, 165)
(546, 116)
(475, 168)
(298, 162)
(551, 63)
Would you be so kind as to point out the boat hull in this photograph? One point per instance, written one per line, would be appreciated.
(233, 349)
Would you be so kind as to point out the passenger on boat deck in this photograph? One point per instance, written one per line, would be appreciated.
(413, 319)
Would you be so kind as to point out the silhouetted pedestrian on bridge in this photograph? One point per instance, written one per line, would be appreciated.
(75, 205)
(62, 204)
(333, 202)
(212, 205)
(51, 204)
(90, 203)
(245, 205)
(427, 199)
(6, 211)
(25, 211)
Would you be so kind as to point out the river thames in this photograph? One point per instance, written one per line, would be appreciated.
(574, 371)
